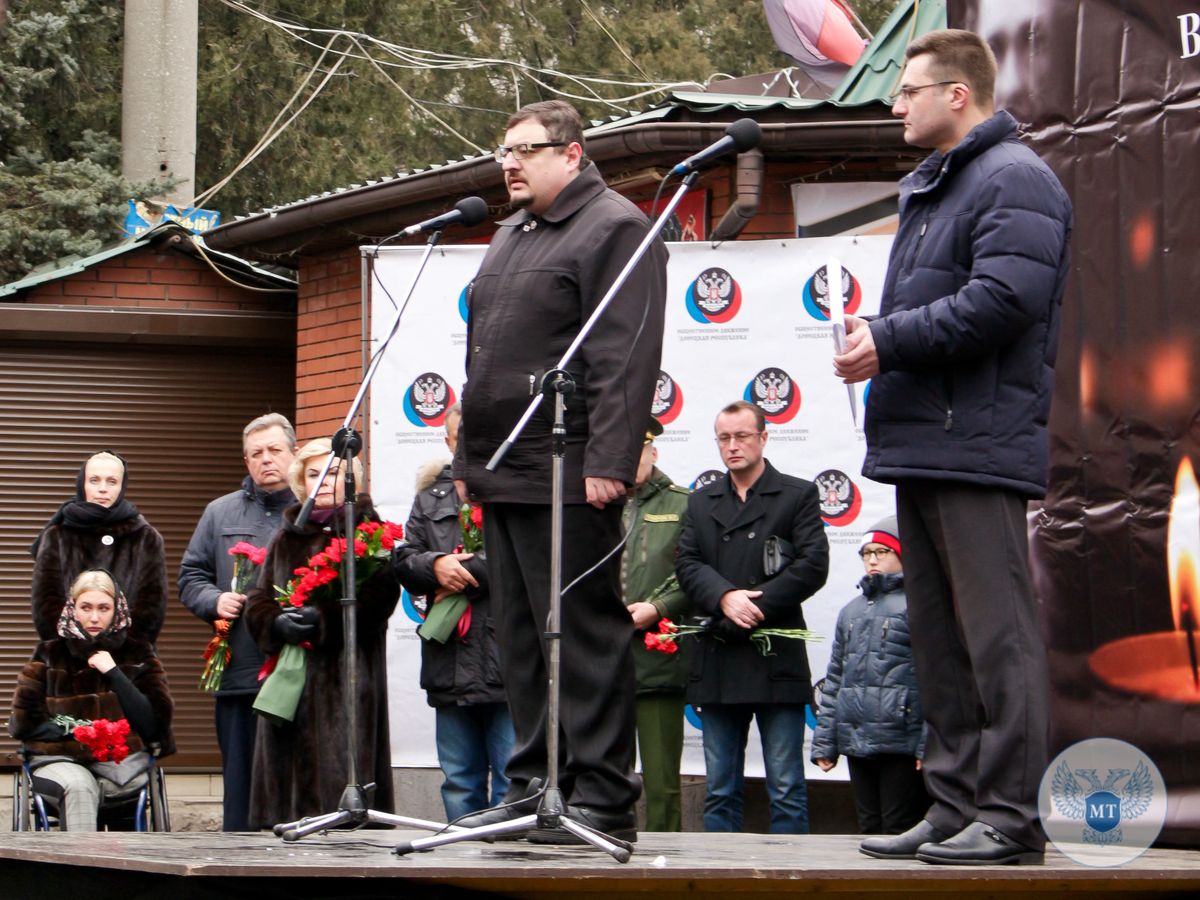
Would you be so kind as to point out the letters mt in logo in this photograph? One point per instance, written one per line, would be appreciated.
(668, 399)
(1098, 804)
(816, 294)
(427, 399)
(840, 498)
(714, 297)
(775, 393)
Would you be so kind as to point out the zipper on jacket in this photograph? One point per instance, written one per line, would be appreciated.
(949, 391)
(912, 260)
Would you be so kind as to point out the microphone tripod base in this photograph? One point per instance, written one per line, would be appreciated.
(352, 813)
(552, 813)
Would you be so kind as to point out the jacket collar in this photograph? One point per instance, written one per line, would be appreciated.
(656, 484)
(580, 191)
(728, 509)
(881, 583)
(939, 167)
(267, 499)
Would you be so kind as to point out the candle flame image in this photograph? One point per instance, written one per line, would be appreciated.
(1183, 543)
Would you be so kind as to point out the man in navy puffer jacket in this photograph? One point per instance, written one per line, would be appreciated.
(962, 361)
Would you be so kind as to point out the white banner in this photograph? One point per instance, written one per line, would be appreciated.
(745, 320)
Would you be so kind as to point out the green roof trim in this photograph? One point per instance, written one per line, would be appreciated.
(877, 73)
(73, 265)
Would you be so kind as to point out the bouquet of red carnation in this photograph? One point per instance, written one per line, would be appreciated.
(665, 640)
(246, 560)
(470, 517)
(283, 674)
(104, 739)
(452, 613)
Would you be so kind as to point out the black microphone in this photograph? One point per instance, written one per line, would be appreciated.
(741, 135)
(468, 211)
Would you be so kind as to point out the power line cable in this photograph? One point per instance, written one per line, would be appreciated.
(426, 60)
(269, 136)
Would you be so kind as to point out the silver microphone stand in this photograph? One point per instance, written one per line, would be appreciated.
(352, 808)
(552, 808)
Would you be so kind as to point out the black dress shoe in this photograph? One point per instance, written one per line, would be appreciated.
(620, 825)
(902, 846)
(527, 805)
(980, 844)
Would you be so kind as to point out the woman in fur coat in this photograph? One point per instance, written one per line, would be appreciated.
(99, 529)
(301, 766)
(93, 669)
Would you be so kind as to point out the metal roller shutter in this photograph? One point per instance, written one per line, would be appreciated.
(176, 414)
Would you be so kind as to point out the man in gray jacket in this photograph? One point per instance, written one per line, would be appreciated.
(253, 514)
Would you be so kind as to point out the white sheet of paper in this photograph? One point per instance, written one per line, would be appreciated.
(837, 318)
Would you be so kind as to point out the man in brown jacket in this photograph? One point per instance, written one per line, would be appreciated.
(546, 271)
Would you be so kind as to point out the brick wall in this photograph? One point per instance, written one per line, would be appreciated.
(328, 341)
(152, 278)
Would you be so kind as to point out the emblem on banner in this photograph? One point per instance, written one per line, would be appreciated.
(715, 297)
(463, 310)
(816, 294)
(1102, 802)
(410, 607)
(692, 717)
(841, 500)
(706, 478)
(775, 393)
(426, 400)
(668, 399)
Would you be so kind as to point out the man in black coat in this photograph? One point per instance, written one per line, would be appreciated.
(962, 362)
(547, 269)
(752, 550)
(253, 514)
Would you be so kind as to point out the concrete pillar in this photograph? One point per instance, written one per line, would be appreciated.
(158, 109)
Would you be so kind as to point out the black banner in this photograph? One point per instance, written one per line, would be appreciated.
(1109, 95)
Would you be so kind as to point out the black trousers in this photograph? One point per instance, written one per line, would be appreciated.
(236, 727)
(596, 715)
(889, 793)
(979, 655)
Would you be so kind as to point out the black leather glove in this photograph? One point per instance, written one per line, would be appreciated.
(727, 630)
(295, 625)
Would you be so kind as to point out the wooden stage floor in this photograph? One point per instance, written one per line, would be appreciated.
(184, 866)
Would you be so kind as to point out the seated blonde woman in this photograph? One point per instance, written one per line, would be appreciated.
(94, 669)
